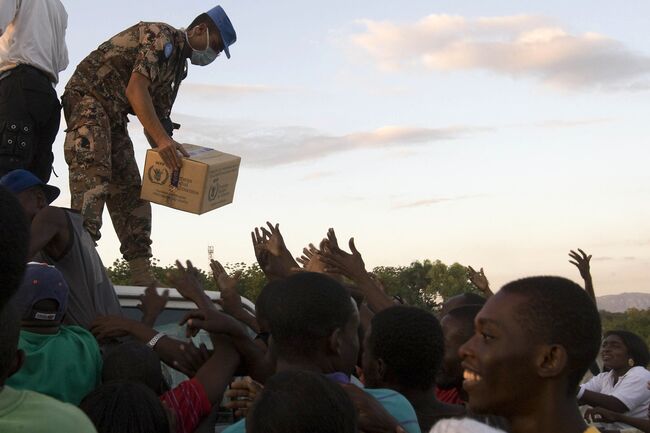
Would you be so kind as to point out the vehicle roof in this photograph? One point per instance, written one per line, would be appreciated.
(129, 296)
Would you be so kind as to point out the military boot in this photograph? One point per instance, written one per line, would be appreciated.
(142, 273)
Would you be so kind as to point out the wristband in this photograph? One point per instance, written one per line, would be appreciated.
(152, 343)
(581, 392)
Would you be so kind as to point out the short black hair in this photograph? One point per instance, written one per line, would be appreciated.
(133, 361)
(9, 335)
(636, 346)
(410, 342)
(301, 401)
(466, 314)
(14, 245)
(307, 307)
(127, 407)
(264, 301)
(559, 311)
(472, 298)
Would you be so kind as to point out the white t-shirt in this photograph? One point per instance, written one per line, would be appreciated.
(631, 389)
(464, 425)
(32, 32)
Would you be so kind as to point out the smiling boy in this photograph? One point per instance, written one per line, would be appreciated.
(534, 341)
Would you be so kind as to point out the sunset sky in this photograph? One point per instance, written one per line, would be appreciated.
(499, 134)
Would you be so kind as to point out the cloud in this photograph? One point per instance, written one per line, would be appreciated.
(264, 146)
(432, 201)
(517, 46)
(228, 90)
(317, 175)
(554, 124)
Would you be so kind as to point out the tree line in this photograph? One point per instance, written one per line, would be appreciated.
(423, 283)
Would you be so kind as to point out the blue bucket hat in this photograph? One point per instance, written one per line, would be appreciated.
(226, 30)
(18, 181)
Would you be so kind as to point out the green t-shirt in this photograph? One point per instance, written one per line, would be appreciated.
(66, 365)
(27, 411)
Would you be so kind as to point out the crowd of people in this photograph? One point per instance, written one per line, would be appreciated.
(327, 349)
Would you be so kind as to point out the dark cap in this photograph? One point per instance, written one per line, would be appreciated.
(41, 282)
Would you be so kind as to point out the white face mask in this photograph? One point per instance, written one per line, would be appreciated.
(203, 57)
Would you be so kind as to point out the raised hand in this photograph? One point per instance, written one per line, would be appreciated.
(351, 265)
(242, 393)
(189, 358)
(338, 261)
(186, 281)
(212, 321)
(230, 297)
(312, 260)
(581, 261)
(152, 304)
(479, 280)
(272, 254)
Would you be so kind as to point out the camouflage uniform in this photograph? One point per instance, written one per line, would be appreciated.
(97, 147)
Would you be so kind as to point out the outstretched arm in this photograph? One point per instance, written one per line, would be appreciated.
(152, 304)
(230, 298)
(186, 281)
(581, 261)
(271, 252)
(137, 92)
(49, 232)
(181, 355)
(599, 414)
(218, 323)
(352, 266)
(596, 399)
(480, 281)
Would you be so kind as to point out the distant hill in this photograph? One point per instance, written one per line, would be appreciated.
(623, 302)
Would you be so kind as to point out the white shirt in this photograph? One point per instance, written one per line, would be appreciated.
(631, 389)
(464, 425)
(33, 32)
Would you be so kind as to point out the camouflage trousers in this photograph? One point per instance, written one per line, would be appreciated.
(103, 170)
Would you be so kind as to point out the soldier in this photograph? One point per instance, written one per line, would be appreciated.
(137, 71)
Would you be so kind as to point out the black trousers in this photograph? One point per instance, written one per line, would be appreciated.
(30, 114)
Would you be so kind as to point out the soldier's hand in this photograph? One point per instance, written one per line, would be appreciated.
(170, 151)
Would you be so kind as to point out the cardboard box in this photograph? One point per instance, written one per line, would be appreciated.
(206, 181)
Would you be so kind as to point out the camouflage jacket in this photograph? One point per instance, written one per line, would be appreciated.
(151, 49)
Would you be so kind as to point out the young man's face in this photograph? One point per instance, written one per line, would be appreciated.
(499, 359)
(451, 372)
(349, 343)
(32, 201)
(371, 375)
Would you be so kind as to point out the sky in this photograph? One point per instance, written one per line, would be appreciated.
(497, 134)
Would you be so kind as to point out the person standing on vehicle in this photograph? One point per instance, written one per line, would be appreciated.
(138, 71)
(32, 53)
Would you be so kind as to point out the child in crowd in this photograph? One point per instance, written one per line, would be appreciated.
(24, 410)
(62, 361)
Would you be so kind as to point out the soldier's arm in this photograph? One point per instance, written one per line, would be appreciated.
(137, 92)
(49, 232)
